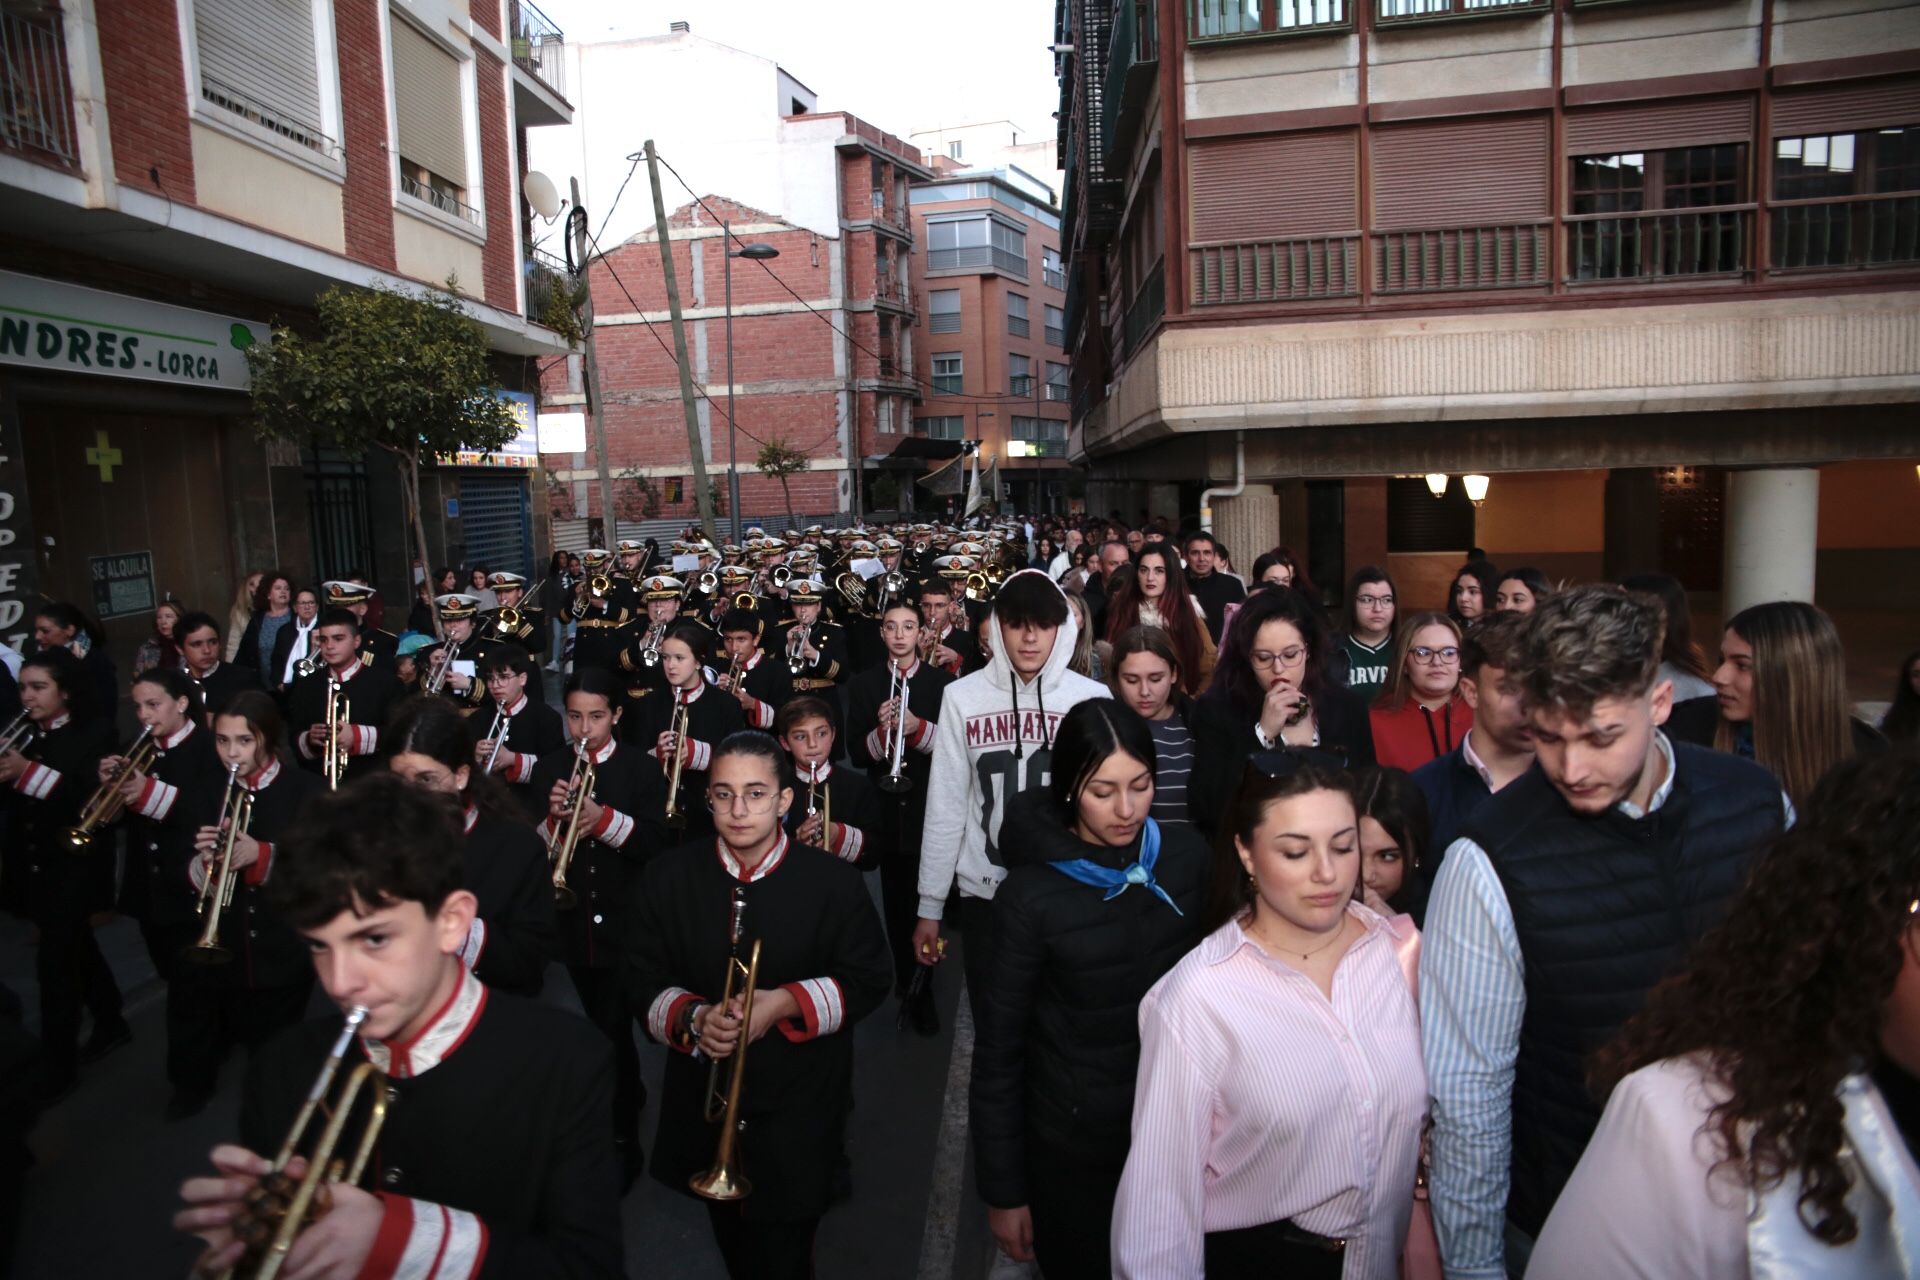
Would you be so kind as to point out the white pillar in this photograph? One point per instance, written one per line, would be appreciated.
(1772, 528)
(1248, 524)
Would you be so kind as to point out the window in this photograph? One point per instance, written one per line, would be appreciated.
(948, 428)
(943, 311)
(1057, 379)
(1053, 273)
(883, 414)
(946, 374)
(1019, 375)
(259, 60)
(1056, 326)
(430, 118)
(1855, 199)
(1017, 315)
(1641, 215)
(972, 242)
(953, 150)
(1397, 9)
(1045, 437)
(1418, 521)
(1225, 19)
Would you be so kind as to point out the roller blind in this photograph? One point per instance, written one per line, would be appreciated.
(1659, 124)
(1869, 104)
(426, 94)
(263, 53)
(1460, 172)
(1274, 186)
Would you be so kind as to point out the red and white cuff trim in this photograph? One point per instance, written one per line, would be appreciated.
(262, 866)
(476, 943)
(922, 740)
(544, 829)
(421, 1240)
(518, 766)
(847, 842)
(761, 716)
(156, 800)
(364, 739)
(876, 745)
(664, 1014)
(37, 781)
(613, 828)
(702, 755)
(821, 1009)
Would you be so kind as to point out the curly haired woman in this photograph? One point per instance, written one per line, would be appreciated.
(1766, 1102)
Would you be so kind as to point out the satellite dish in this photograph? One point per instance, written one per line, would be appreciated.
(541, 194)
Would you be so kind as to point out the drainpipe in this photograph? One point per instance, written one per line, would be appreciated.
(1239, 482)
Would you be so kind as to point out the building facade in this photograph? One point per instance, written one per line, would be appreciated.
(1654, 268)
(994, 144)
(181, 174)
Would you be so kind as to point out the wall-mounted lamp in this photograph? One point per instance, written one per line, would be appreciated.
(1476, 487)
(1436, 483)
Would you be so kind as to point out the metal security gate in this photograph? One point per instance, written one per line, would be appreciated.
(496, 522)
(337, 515)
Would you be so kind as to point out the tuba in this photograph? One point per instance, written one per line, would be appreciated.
(724, 1181)
(216, 895)
(107, 803)
(561, 844)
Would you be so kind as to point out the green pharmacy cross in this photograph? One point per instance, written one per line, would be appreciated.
(104, 456)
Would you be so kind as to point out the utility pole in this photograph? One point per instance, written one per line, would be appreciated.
(580, 247)
(700, 491)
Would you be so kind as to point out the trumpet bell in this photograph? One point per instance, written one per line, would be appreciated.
(896, 786)
(726, 1183)
(209, 955)
(564, 898)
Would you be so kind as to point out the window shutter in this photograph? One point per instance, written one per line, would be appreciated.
(426, 92)
(1274, 187)
(1658, 125)
(1864, 104)
(264, 51)
(1458, 173)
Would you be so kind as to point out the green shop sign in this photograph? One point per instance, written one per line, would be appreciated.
(45, 324)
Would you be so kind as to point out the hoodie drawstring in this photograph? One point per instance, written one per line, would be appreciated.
(1019, 738)
(1040, 692)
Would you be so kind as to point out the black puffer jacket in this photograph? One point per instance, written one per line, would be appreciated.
(1059, 1039)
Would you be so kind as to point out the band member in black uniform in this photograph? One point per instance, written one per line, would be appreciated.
(619, 826)
(51, 775)
(216, 681)
(509, 747)
(462, 647)
(431, 745)
(942, 643)
(631, 563)
(371, 880)
(354, 597)
(813, 649)
(255, 982)
(367, 689)
(639, 660)
(524, 626)
(765, 683)
(711, 716)
(599, 615)
(833, 809)
(823, 967)
(872, 709)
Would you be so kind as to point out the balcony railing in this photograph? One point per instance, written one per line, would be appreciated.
(546, 275)
(273, 119)
(1210, 20)
(36, 98)
(1057, 336)
(1017, 326)
(893, 293)
(1275, 270)
(1420, 10)
(538, 45)
(1865, 231)
(977, 256)
(1514, 256)
(444, 201)
(1131, 59)
(1053, 277)
(1148, 305)
(1660, 245)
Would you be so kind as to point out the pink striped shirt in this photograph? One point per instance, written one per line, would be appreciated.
(1260, 1100)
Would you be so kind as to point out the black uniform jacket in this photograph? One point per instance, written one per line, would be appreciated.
(712, 714)
(220, 684)
(597, 634)
(829, 639)
(495, 1159)
(851, 804)
(44, 878)
(265, 950)
(475, 649)
(770, 684)
(370, 690)
(871, 748)
(821, 941)
(533, 729)
(506, 869)
(627, 784)
(181, 795)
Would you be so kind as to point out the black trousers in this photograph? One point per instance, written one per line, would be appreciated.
(605, 1005)
(975, 918)
(1070, 1196)
(210, 1011)
(762, 1250)
(71, 972)
(900, 885)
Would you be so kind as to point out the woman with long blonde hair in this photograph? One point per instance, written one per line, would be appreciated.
(240, 613)
(1782, 685)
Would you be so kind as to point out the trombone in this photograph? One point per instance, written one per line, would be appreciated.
(107, 803)
(216, 893)
(334, 755)
(897, 782)
(724, 1180)
(279, 1208)
(676, 815)
(498, 733)
(561, 844)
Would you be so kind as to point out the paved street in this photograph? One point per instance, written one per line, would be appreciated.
(99, 1201)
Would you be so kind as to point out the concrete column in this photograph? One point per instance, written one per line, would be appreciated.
(1772, 529)
(1248, 524)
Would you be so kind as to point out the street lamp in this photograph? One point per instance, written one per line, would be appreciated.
(759, 252)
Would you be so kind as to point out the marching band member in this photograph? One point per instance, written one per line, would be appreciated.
(531, 729)
(200, 647)
(765, 684)
(710, 717)
(871, 717)
(262, 988)
(371, 880)
(367, 689)
(836, 810)
(431, 745)
(598, 616)
(354, 597)
(814, 650)
(823, 966)
(462, 646)
(618, 827)
(639, 659)
(50, 777)
(943, 644)
(529, 627)
(630, 567)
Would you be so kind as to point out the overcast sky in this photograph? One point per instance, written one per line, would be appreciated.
(901, 65)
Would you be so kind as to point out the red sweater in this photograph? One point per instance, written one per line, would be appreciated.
(1411, 736)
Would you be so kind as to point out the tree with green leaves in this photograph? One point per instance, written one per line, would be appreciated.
(401, 372)
(782, 461)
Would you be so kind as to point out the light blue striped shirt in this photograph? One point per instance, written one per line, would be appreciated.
(1472, 999)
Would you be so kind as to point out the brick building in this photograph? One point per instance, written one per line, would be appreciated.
(179, 175)
(1652, 269)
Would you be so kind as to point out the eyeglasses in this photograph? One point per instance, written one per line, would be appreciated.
(757, 799)
(1368, 602)
(1291, 656)
(1444, 657)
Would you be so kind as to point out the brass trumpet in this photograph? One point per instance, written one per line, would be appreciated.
(565, 839)
(18, 733)
(979, 587)
(334, 755)
(724, 1180)
(279, 1209)
(216, 894)
(107, 803)
(497, 732)
(650, 647)
(438, 680)
(796, 649)
(897, 782)
(677, 816)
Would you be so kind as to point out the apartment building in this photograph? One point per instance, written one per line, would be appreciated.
(821, 332)
(995, 144)
(991, 356)
(181, 174)
(1650, 270)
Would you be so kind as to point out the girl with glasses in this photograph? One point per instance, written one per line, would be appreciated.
(1421, 715)
(823, 965)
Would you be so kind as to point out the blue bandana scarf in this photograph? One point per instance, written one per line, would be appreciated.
(1087, 871)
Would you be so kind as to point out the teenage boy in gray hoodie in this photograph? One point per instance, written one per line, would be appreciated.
(995, 739)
